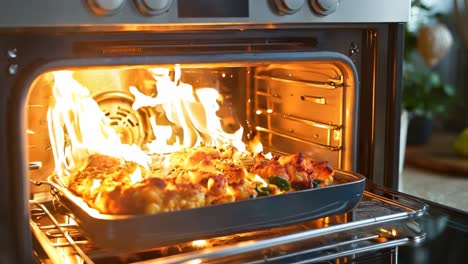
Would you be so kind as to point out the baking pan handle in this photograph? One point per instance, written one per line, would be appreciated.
(39, 183)
(48, 182)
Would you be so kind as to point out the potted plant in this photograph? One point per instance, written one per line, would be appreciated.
(424, 95)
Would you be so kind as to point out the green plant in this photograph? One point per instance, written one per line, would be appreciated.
(424, 94)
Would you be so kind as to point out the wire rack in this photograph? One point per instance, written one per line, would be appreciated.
(377, 223)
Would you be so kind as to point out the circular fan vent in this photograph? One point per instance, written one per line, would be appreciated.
(128, 123)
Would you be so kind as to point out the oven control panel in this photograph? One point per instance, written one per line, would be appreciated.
(91, 13)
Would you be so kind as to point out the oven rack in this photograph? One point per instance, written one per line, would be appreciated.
(376, 224)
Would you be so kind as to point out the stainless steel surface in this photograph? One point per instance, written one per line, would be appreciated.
(16, 14)
(283, 91)
(376, 223)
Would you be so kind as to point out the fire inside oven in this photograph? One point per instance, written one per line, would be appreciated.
(141, 113)
(139, 116)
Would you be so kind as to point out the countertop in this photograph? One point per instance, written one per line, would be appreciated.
(436, 173)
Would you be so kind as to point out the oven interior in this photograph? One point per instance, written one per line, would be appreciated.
(275, 105)
(280, 107)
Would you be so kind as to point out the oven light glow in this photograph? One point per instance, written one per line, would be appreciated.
(259, 112)
(269, 111)
(223, 75)
(394, 232)
(199, 243)
(30, 132)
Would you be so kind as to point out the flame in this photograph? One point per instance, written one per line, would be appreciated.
(268, 156)
(392, 232)
(256, 145)
(164, 134)
(192, 114)
(96, 185)
(260, 181)
(136, 176)
(78, 128)
(229, 191)
(181, 117)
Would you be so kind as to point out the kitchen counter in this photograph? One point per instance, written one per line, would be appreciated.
(436, 173)
(443, 188)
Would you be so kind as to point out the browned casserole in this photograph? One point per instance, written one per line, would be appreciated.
(195, 177)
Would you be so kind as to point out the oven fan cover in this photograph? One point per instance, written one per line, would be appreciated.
(131, 125)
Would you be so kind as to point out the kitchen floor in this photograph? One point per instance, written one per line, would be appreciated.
(443, 188)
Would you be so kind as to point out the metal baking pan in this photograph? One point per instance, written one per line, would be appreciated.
(136, 232)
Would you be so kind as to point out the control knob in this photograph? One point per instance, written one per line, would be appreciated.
(287, 7)
(153, 7)
(324, 7)
(104, 7)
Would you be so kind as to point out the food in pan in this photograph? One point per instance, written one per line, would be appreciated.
(194, 177)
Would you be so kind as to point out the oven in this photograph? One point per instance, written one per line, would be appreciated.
(139, 80)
